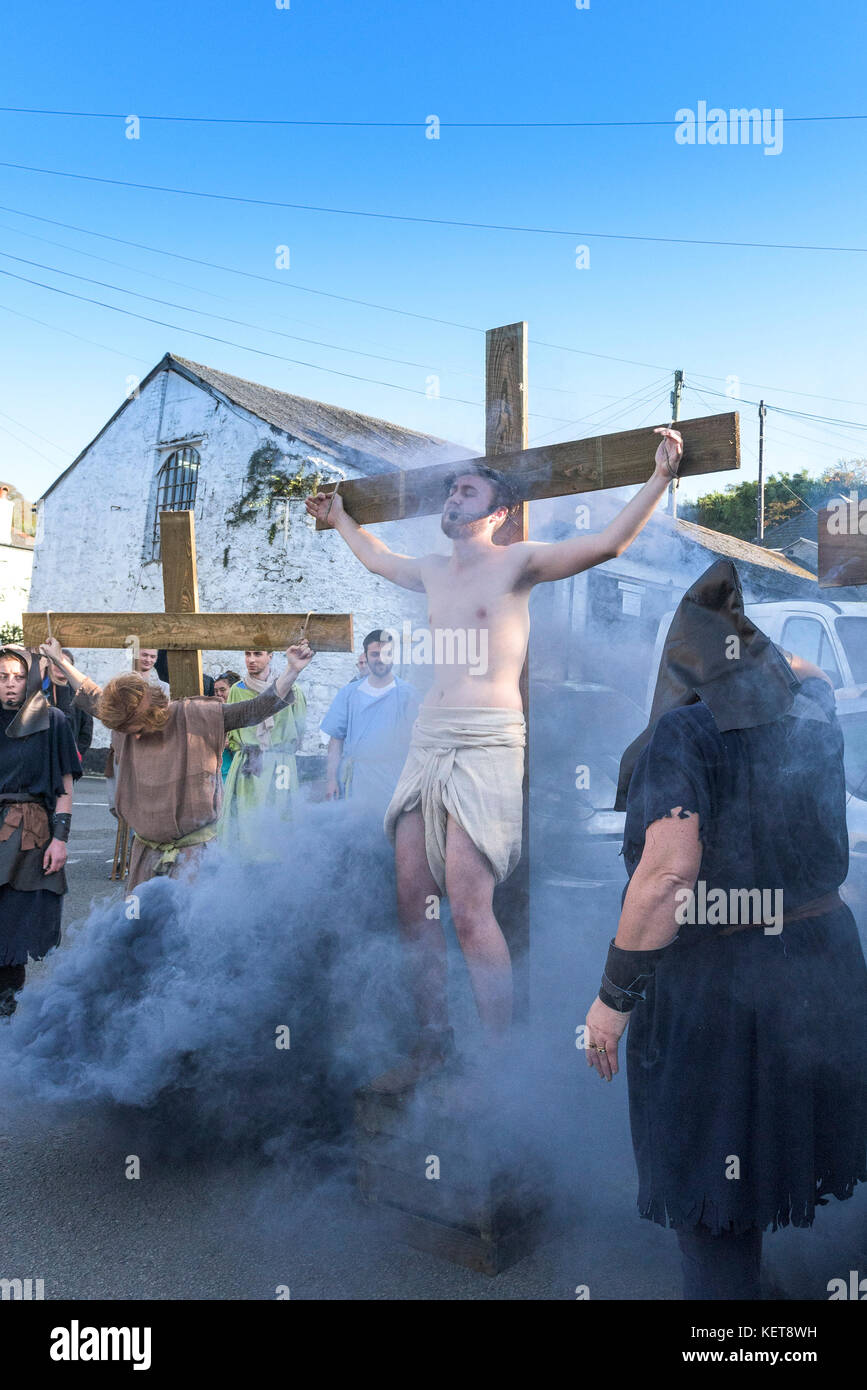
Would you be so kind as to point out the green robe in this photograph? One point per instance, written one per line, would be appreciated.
(275, 782)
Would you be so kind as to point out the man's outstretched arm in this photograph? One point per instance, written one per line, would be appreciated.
(373, 553)
(545, 561)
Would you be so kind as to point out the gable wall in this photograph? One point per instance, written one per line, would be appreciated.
(94, 548)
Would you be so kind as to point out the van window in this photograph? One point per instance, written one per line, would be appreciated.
(853, 634)
(808, 638)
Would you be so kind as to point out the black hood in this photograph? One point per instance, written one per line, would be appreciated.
(34, 716)
(713, 653)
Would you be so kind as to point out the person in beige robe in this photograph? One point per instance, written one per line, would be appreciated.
(168, 755)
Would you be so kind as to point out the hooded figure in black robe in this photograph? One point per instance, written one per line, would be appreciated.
(37, 750)
(747, 1053)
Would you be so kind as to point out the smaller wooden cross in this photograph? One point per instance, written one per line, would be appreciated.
(182, 630)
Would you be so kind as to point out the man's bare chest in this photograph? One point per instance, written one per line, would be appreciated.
(481, 595)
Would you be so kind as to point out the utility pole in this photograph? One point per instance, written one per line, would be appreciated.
(675, 398)
(760, 499)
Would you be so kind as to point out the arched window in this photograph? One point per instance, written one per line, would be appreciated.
(176, 488)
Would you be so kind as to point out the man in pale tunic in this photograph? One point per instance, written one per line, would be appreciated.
(455, 817)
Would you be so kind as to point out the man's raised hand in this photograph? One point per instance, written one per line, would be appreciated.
(669, 453)
(52, 649)
(298, 656)
(325, 506)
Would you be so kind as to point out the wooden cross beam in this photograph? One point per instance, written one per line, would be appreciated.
(182, 630)
(711, 445)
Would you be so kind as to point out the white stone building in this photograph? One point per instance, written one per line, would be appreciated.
(191, 436)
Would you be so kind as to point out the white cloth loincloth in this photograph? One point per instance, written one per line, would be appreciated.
(467, 763)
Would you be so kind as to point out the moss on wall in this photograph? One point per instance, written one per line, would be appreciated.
(267, 483)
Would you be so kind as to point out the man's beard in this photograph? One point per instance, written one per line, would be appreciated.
(460, 528)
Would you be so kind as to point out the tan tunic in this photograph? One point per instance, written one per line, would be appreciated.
(167, 784)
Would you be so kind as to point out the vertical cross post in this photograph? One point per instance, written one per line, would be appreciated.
(506, 431)
(181, 592)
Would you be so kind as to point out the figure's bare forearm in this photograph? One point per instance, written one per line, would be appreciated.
(375, 555)
(247, 712)
(647, 920)
(670, 863)
(621, 532)
(335, 753)
(562, 559)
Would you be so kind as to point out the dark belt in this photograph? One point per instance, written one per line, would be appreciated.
(817, 908)
(6, 797)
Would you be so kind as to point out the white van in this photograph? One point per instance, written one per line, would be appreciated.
(834, 637)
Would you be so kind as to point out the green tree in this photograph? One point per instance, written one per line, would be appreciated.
(733, 510)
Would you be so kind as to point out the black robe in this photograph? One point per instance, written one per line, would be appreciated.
(748, 1055)
(30, 900)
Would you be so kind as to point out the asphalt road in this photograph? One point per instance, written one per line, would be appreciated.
(243, 1229)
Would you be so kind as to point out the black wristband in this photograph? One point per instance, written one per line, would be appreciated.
(60, 824)
(626, 976)
(619, 999)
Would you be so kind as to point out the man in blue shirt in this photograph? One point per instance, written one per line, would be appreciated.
(369, 724)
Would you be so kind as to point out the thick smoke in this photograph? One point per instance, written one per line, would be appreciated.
(166, 1023)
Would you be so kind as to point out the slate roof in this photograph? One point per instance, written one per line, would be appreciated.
(362, 441)
(803, 525)
(742, 552)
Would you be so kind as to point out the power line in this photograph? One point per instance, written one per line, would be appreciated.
(619, 408)
(247, 274)
(53, 328)
(259, 328)
(197, 332)
(55, 289)
(391, 309)
(188, 309)
(796, 414)
(26, 445)
(431, 221)
(380, 125)
(36, 435)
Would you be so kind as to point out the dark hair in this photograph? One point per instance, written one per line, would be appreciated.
(505, 491)
(231, 676)
(379, 634)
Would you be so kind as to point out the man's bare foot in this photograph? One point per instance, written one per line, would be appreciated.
(430, 1054)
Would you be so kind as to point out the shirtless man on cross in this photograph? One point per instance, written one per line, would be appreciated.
(455, 818)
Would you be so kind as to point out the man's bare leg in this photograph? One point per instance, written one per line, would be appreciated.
(422, 934)
(425, 946)
(470, 890)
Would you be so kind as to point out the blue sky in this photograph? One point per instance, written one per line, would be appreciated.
(775, 319)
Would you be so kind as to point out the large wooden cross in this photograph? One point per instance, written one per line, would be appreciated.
(710, 445)
(182, 630)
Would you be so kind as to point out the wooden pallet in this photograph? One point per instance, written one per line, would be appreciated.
(485, 1209)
